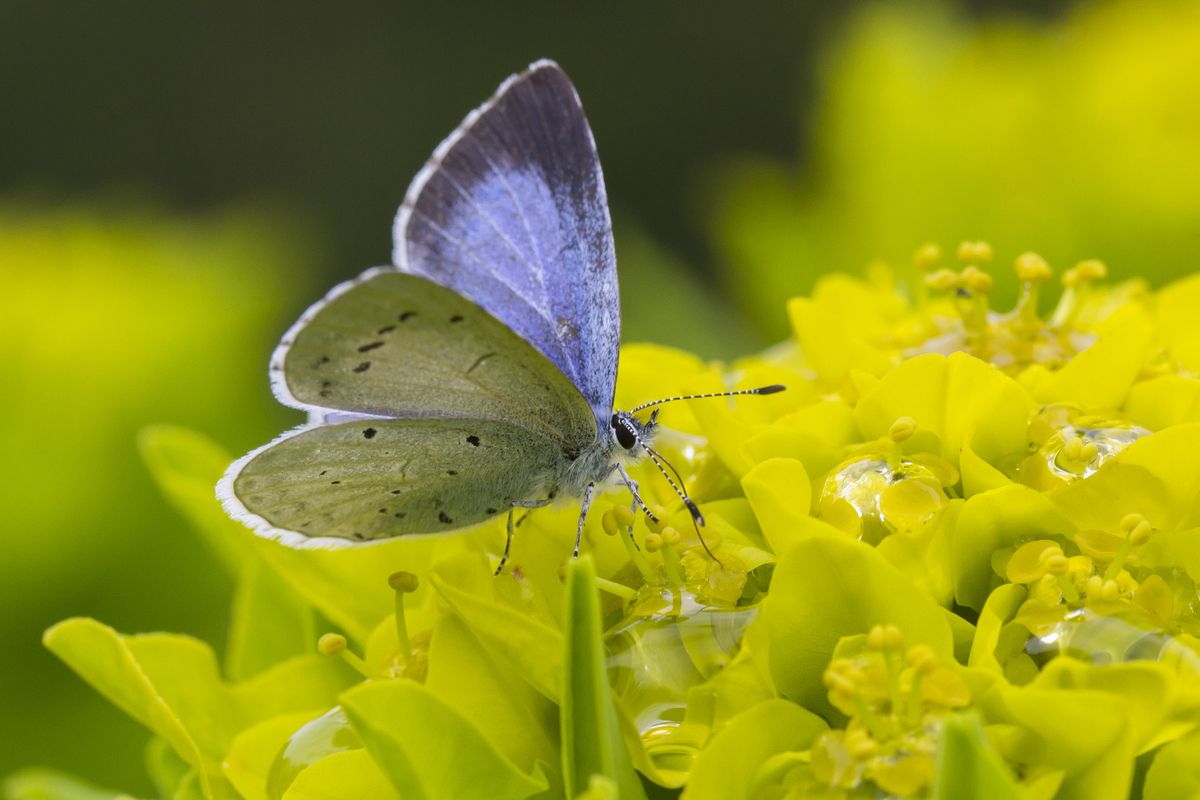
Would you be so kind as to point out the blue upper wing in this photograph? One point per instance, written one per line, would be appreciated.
(511, 213)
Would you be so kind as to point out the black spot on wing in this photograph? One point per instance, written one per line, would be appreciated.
(457, 318)
(451, 472)
(334, 483)
(363, 367)
(407, 315)
(473, 441)
(395, 491)
(385, 329)
(324, 360)
(443, 518)
(400, 514)
(383, 511)
(489, 511)
(366, 348)
(369, 433)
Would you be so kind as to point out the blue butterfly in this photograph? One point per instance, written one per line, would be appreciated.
(477, 375)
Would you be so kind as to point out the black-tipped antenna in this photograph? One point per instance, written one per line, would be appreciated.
(772, 389)
(697, 517)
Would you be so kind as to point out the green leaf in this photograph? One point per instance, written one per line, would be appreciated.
(270, 624)
(519, 640)
(164, 766)
(1000, 608)
(828, 586)
(47, 784)
(1100, 376)
(1085, 732)
(726, 768)
(591, 739)
(171, 684)
(254, 750)
(186, 465)
(428, 750)
(1157, 476)
(1175, 773)
(996, 519)
(349, 775)
(966, 766)
(514, 716)
(780, 493)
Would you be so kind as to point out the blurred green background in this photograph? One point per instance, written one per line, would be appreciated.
(177, 181)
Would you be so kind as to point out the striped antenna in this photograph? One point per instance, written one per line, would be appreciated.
(772, 389)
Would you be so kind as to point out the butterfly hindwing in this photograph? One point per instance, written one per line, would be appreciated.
(397, 345)
(375, 479)
(511, 212)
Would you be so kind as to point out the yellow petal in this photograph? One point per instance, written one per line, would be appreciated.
(1101, 376)
(1099, 545)
(1155, 597)
(907, 776)
(780, 493)
(1164, 401)
(1025, 565)
(945, 687)
(831, 347)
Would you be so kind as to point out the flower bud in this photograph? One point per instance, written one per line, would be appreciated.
(403, 582)
(1032, 268)
(927, 256)
(331, 644)
(902, 429)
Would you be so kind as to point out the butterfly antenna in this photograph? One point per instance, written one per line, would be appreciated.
(697, 517)
(772, 389)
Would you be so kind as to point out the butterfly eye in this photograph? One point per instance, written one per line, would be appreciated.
(625, 435)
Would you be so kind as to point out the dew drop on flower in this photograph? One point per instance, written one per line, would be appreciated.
(1073, 445)
(869, 499)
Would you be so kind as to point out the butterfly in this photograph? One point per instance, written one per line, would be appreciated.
(476, 376)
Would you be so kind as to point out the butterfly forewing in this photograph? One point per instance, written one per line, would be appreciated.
(512, 213)
(398, 345)
(376, 479)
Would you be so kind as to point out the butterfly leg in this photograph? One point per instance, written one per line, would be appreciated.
(507, 544)
(633, 490)
(587, 503)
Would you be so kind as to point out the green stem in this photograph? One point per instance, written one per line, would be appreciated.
(1068, 589)
(1027, 309)
(356, 662)
(672, 564)
(893, 676)
(912, 717)
(869, 718)
(1118, 563)
(619, 590)
(402, 630)
(637, 556)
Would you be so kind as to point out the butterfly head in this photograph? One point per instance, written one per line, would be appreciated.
(631, 433)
